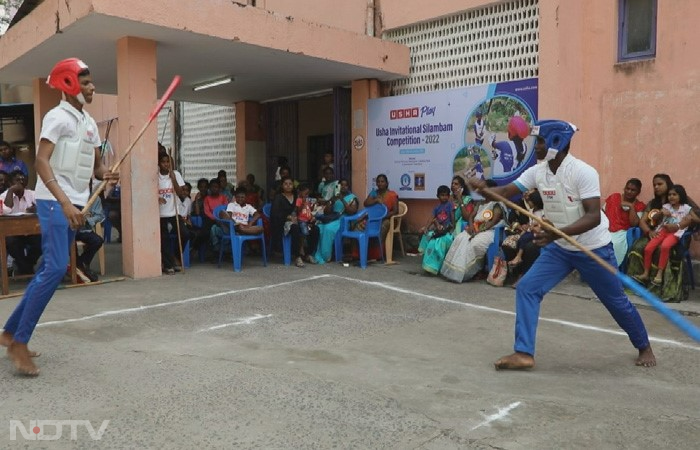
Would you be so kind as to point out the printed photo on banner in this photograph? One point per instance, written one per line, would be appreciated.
(420, 141)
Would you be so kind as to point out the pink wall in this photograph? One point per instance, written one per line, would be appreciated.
(399, 13)
(346, 14)
(636, 118)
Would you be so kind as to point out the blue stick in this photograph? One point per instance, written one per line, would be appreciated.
(673, 316)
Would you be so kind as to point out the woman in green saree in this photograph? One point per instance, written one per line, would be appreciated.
(434, 249)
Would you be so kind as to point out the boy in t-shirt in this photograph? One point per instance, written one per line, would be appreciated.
(244, 216)
(304, 206)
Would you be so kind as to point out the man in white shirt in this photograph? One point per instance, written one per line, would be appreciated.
(67, 157)
(171, 185)
(17, 199)
(570, 190)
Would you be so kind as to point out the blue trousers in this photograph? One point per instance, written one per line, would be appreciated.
(552, 266)
(56, 237)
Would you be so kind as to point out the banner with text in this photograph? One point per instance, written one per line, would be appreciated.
(421, 141)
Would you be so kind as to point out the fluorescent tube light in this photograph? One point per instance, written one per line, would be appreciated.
(211, 84)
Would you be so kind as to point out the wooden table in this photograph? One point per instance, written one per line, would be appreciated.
(24, 225)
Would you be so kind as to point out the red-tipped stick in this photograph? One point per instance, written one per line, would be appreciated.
(153, 115)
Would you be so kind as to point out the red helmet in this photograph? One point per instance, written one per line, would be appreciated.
(518, 127)
(64, 76)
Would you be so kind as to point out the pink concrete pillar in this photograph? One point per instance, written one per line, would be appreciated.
(362, 90)
(137, 95)
(45, 98)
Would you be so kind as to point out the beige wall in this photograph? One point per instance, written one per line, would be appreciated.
(315, 118)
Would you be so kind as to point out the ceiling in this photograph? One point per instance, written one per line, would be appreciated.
(260, 73)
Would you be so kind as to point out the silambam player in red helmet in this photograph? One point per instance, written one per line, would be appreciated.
(67, 158)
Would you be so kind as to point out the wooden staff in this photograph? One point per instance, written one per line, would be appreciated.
(673, 316)
(177, 213)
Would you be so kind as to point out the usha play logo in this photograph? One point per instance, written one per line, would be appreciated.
(411, 113)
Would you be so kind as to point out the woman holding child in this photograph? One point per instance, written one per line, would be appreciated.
(466, 255)
(435, 248)
(345, 202)
(283, 220)
(671, 286)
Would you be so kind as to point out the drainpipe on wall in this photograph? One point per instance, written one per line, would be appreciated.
(369, 21)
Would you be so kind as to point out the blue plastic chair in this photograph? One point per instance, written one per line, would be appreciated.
(373, 229)
(107, 226)
(236, 240)
(286, 239)
(495, 247)
(633, 233)
(685, 246)
(198, 221)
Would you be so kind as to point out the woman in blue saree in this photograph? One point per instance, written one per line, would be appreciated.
(328, 224)
(434, 249)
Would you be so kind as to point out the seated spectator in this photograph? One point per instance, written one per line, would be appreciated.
(184, 204)
(226, 187)
(671, 289)
(243, 215)
(93, 242)
(327, 162)
(112, 206)
(285, 172)
(4, 181)
(329, 187)
(198, 203)
(304, 207)
(343, 203)
(254, 188)
(211, 201)
(467, 253)
(667, 234)
(283, 221)
(17, 199)
(435, 248)
(623, 212)
(9, 162)
(382, 194)
(437, 234)
(519, 249)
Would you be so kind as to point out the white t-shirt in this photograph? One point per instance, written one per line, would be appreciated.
(166, 191)
(184, 209)
(59, 123)
(580, 182)
(676, 216)
(20, 205)
(240, 214)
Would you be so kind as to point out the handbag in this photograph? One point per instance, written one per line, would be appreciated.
(499, 272)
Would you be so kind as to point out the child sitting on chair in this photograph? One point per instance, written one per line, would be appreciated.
(243, 215)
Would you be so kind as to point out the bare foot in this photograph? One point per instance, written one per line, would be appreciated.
(516, 361)
(646, 357)
(19, 354)
(6, 340)
(515, 261)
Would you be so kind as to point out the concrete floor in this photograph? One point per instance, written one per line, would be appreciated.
(336, 357)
